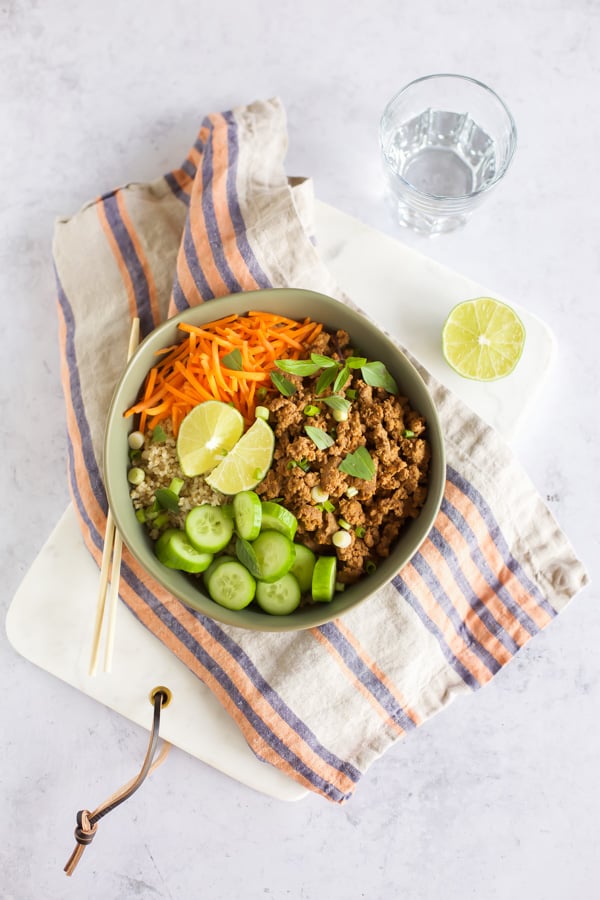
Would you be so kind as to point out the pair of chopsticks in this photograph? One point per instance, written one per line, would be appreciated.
(113, 548)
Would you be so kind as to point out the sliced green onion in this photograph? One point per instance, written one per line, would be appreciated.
(136, 440)
(408, 433)
(359, 531)
(261, 412)
(140, 515)
(370, 567)
(340, 586)
(136, 476)
(161, 520)
(318, 494)
(341, 539)
(343, 524)
(311, 410)
(351, 492)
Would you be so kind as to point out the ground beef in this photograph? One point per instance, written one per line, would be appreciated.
(375, 509)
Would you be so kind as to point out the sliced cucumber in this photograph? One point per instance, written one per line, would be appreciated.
(247, 510)
(231, 585)
(217, 561)
(174, 550)
(277, 518)
(323, 579)
(209, 528)
(275, 554)
(302, 567)
(279, 598)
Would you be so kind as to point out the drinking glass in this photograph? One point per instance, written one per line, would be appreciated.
(446, 142)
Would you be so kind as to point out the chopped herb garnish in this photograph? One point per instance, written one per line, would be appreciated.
(283, 384)
(297, 366)
(344, 524)
(341, 379)
(408, 433)
(311, 410)
(336, 402)
(261, 393)
(324, 362)
(319, 437)
(355, 362)
(359, 531)
(167, 499)
(359, 464)
(376, 374)
(351, 394)
(233, 360)
(159, 434)
(325, 379)
(299, 464)
(370, 566)
(326, 506)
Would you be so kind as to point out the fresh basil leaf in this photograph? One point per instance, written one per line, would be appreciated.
(355, 362)
(158, 435)
(233, 360)
(283, 385)
(359, 464)
(341, 379)
(319, 437)
(324, 362)
(336, 402)
(325, 379)
(376, 374)
(297, 366)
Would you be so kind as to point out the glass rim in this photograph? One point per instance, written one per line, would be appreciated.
(480, 84)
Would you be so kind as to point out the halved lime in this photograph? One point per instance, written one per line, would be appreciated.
(483, 339)
(206, 435)
(247, 464)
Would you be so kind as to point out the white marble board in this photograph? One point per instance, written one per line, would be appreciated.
(51, 615)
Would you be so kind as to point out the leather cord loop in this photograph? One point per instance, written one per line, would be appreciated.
(87, 822)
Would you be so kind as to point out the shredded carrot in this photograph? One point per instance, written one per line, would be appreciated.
(192, 371)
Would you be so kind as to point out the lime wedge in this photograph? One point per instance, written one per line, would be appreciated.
(206, 435)
(247, 464)
(483, 339)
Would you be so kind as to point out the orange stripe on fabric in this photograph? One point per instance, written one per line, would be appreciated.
(356, 682)
(220, 163)
(478, 629)
(379, 673)
(494, 558)
(436, 614)
(201, 240)
(127, 281)
(152, 293)
(477, 582)
(184, 181)
(234, 670)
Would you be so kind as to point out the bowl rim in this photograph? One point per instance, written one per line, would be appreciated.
(175, 582)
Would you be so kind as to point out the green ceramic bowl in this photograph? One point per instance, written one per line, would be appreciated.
(370, 342)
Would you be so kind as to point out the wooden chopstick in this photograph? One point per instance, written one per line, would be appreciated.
(113, 547)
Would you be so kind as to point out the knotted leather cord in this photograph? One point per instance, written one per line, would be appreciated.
(87, 822)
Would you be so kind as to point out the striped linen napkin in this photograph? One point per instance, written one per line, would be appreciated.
(494, 571)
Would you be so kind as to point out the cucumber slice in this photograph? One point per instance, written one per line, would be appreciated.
(279, 598)
(217, 561)
(302, 567)
(175, 551)
(208, 528)
(323, 579)
(275, 555)
(277, 518)
(247, 510)
(231, 585)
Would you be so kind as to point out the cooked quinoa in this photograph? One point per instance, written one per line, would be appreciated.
(160, 464)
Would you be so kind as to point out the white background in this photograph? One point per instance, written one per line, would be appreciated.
(498, 797)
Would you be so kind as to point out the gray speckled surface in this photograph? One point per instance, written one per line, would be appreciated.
(495, 798)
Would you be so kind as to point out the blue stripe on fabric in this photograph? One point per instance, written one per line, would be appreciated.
(194, 264)
(445, 604)
(77, 399)
(298, 725)
(210, 219)
(366, 676)
(511, 563)
(178, 296)
(177, 189)
(189, 168)
(235, 212)
(475, 602)
(141, 288)
(453, 661)
(210, 664)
